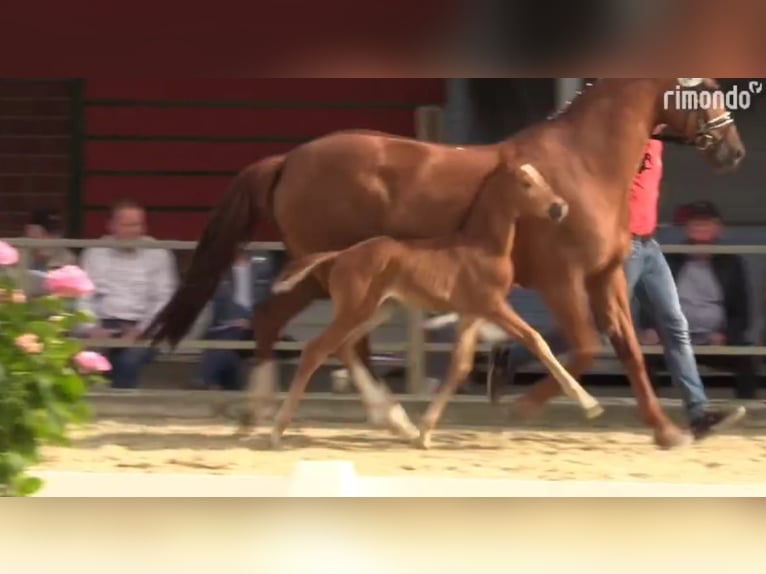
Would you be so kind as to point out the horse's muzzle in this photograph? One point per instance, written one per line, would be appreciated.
(558, 211)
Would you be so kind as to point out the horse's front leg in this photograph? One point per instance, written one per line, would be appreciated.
(269, 319)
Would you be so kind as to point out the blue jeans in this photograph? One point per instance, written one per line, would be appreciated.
(128, 362)
(222, 367)
(651, 281)
(127, 365)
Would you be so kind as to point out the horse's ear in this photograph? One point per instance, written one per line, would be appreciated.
(690, 82)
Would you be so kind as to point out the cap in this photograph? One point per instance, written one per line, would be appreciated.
(47, 219)
(702, 210)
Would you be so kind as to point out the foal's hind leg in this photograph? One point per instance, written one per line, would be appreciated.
(382, 408)
(314, 354)
(609, 294)
(460, 367)
(507, 319)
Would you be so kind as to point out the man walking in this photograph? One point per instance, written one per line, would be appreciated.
(649, 277)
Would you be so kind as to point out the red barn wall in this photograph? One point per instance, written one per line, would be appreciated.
(174, 145)
(35, 148)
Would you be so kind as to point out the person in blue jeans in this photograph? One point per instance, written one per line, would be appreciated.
(246, 284)
(649, 278)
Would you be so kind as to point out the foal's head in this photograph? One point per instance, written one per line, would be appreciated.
(533, 197)
(695, 109)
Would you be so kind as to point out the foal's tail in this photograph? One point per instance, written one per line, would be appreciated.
(298, 269)
(230, 225)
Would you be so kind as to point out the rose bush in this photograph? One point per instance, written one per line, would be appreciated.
(44, 371)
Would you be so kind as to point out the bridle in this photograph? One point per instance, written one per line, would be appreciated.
(704, 139)
(705, 136)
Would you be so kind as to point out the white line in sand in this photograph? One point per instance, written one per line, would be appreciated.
(339, 478)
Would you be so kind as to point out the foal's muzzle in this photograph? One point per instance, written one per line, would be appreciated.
(558, 211)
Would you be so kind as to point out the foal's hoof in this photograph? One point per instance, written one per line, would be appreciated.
(594, 411)
(423, 440)
(669, 437)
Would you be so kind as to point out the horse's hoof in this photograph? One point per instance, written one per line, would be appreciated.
(246, 421)
(594, 411)
(670, 437)
(524, 409)
(275, 440)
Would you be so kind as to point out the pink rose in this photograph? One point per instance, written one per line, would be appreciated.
(92, 362)
(69, 281)
(29, 343)
(8, 254)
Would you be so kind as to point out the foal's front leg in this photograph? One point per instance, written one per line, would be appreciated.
(506, 318)
(460, 367)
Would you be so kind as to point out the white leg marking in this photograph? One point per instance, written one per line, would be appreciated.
(263, 379)
(340, 381)
(382, 409)
(373, 395)
(262, 389)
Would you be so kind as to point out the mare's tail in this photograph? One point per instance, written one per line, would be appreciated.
(297, 270)
(230, 225)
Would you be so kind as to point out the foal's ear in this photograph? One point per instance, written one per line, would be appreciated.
(528, 175)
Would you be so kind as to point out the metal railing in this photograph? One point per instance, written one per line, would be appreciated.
(415, 347)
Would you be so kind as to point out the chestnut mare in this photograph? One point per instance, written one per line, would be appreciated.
(469, 272)
(343, 188)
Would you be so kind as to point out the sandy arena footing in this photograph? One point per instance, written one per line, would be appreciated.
(185, 446)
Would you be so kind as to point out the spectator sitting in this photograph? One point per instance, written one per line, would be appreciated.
(131, 286)
(714, 298)
(231, 320)
(45, 224)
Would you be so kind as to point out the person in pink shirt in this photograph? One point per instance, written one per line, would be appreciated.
(649, 277)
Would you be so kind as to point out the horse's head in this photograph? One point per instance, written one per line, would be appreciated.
(533, 197)
(695, 109)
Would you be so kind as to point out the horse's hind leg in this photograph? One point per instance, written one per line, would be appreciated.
(269, 318)
(506, 318)
(460, 367)
(609, 295)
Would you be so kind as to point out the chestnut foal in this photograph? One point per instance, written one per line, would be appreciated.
(469, 272)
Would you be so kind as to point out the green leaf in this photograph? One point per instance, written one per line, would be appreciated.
(12, 462)
(28, 485)
(41, 395)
